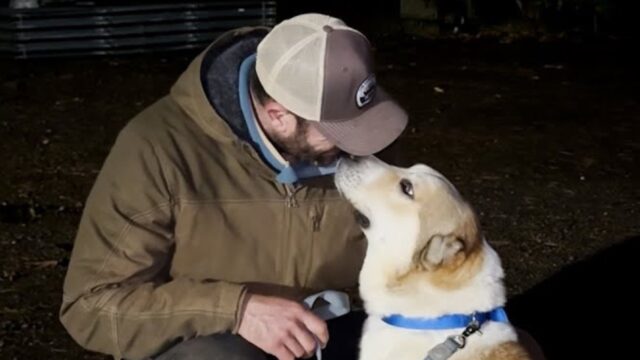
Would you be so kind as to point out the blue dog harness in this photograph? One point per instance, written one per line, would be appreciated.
(471, 323)
(452, 321)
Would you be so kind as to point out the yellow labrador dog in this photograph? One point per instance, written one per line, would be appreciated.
(432, 286)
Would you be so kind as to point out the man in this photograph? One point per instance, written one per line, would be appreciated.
(213, 211)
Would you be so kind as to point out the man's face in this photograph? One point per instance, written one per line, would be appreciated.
(306, 143)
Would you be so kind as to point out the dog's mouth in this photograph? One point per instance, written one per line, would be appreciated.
(361, 219)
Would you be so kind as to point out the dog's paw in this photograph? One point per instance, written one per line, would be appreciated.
(440, 250)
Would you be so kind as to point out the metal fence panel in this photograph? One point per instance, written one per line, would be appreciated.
(112, 30)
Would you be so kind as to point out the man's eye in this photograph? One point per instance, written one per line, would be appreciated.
(407, 187)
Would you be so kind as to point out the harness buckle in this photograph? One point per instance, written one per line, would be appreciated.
(473, 326)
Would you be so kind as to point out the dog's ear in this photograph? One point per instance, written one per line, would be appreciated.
(439, 250)
(469, 230)
(450, 249)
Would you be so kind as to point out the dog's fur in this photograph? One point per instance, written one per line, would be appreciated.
(426, 257)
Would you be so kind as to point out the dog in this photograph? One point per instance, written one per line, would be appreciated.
(432, 286)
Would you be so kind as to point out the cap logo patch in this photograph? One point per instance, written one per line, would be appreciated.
(366, 91)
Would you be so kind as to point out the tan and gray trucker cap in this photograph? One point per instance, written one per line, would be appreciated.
(322, 70)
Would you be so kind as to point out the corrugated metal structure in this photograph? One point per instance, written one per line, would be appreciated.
(127, 29)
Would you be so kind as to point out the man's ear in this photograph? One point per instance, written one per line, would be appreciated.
(279, 118)
(276, 116)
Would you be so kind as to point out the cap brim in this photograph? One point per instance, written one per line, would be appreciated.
(379, 126)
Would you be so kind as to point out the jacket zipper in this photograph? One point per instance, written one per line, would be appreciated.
(315, 219)
(290, 199)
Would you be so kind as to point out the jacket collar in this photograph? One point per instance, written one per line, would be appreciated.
(190, 93)
(208, 92)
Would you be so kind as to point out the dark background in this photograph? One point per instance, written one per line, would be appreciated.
(533, 114)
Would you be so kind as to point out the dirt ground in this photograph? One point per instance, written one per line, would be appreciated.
(542, 137)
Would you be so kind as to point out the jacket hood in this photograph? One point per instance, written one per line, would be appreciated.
(208, 89)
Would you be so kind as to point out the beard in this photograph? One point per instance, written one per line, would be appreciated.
(297, 149)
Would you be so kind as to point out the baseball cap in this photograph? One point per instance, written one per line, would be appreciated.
(322, 70)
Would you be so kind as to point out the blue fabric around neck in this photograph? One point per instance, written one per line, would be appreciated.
(287, 174)
(452, 321)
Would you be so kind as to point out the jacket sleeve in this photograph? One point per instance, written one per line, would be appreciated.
(118, 296)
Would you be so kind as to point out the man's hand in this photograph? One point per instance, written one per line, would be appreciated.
(281, 327)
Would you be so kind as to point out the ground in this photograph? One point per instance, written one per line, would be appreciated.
(541, 137)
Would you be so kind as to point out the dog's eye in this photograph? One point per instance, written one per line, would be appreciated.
(362, 220)
(407, 187)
